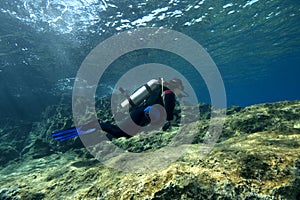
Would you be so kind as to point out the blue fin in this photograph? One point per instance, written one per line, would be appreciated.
(65, 134)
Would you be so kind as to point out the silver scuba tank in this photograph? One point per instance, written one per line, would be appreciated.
(141, 94)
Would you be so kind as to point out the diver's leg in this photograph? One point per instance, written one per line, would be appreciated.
(133, 124)
(128, 127)
(138, 116)
(114, 130)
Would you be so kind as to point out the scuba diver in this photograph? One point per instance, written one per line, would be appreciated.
(153, 103)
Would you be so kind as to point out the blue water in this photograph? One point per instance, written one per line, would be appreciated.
(255, 45)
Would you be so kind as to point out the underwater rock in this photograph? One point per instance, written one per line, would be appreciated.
(253, 167)
(10, 193)
(257, 157)
(40, 149)
(14, 193)
(233, 109)
(13, 138)
(7, 153)
(281, 116)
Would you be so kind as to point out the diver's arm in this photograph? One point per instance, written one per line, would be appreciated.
(169, 104)
(169, 107)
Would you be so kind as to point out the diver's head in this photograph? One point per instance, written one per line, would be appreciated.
(176, 86)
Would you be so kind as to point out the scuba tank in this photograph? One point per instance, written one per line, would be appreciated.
(141, 94)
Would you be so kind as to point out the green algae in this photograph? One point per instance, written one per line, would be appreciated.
(259, 160)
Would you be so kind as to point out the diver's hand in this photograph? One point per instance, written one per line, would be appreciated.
(166, 126)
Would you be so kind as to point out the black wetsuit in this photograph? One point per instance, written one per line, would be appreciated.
(138, 114)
